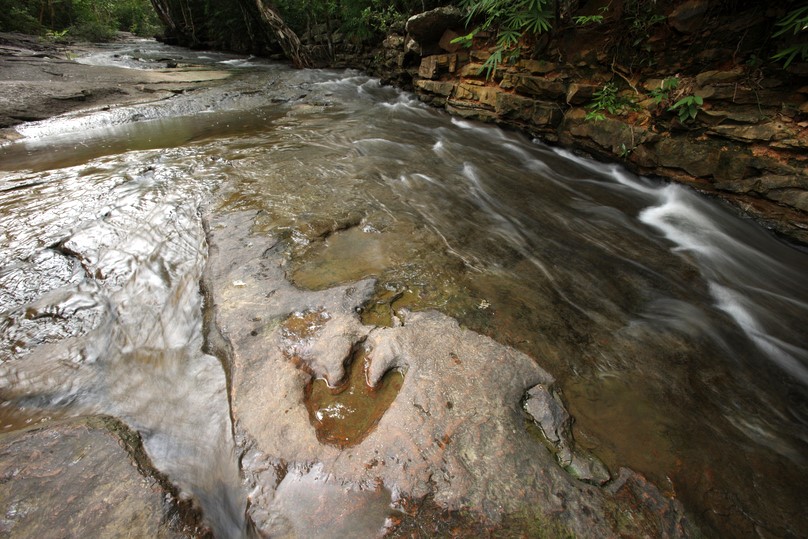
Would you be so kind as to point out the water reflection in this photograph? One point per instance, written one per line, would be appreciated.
(116, 328)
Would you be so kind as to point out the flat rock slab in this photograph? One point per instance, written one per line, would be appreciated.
(41, 83)
(455, 433)
(77, 479)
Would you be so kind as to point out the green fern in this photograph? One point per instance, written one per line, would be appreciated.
(512, 19)
(796, 22)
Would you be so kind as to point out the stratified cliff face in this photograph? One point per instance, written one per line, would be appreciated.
(742, 135)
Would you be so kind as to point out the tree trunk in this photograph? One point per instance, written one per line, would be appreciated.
(164, 12)
(285, 35)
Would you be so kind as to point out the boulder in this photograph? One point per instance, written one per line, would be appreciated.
(688, 16)
(446, 39)
(427, 28)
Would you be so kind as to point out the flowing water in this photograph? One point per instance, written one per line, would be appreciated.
(675, 328)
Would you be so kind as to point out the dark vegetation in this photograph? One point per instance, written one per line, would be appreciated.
(90, 20)
(513, 27)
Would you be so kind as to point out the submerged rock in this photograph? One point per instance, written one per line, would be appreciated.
(547, 410)
(455, 433)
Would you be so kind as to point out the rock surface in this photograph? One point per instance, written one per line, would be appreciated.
(427, 28)
(38, 81)
(455, 433)
(80, 479)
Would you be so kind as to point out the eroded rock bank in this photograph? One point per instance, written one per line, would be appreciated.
(746, 145)
(41, 79)
(90, 476)
(456, 435)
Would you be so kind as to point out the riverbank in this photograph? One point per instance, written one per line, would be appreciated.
(743, 139)
(120, 229)
(40, 79)
(343, 211)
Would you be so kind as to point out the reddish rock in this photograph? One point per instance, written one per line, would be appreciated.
(81, 479)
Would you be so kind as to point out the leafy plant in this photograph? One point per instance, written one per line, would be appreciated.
(636, 25)
(607, 100)
(94, 31)
(87, 19)
(511, 19)
(584, 20)
(687, 108)
(55, 35)
(795, 21)
(664, 91)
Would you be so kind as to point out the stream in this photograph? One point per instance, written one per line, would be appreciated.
(676, 329)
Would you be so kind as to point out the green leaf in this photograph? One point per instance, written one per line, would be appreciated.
(679, 103)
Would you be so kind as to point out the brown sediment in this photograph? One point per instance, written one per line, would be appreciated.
(344, 415)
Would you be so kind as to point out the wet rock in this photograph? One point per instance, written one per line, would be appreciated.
(484, 96)
(699, 158)
(454, 433)
(763, 184)
(80, 479)
(428, 27)
(614, 136)
(140, 360)
(515, 106)
(470, 110)
(555, 423)
(645, 501)
(548, 413)
(795, 198)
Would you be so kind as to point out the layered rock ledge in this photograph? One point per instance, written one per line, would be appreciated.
(747, 144)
